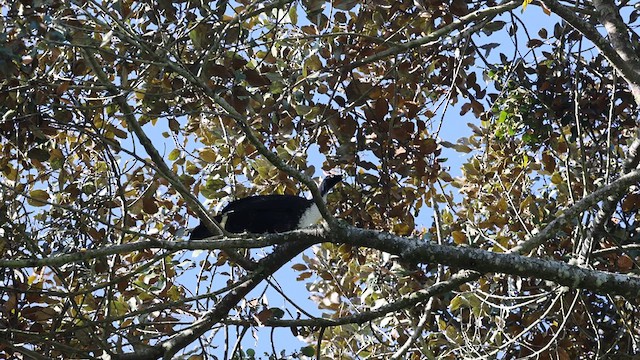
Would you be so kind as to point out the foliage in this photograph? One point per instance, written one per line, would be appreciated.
(121, 119)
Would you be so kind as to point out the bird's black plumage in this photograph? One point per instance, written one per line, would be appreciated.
(268, 213)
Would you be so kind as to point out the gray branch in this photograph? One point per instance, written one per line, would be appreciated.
(629, 70)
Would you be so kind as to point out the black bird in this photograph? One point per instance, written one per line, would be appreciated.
(268, 213)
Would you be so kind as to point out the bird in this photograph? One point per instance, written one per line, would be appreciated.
(261, 214)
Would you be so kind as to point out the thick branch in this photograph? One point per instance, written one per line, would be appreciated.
(628, 70)
(415, 251)
(618, 34)
(617, 31)
(489, 262)
(227, 243)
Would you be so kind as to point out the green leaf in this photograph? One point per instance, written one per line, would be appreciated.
(174, 154)
(208, 155)
(293, 14)
(503, 117)
(308, 351)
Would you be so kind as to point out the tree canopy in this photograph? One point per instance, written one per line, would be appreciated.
(126, 122)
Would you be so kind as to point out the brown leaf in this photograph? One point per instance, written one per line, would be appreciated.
(631, 203)
(534, 43)
(459, 238)
(356, 91)
(254, 78)
(459, 7)
(624, 262)
(39, 313)
(149, 205)
(381, 108)
(263, 316)
(217, 70)
(304, 276)
(174, 125)
(549, 162)
(309, 29)
(428, 146)
(62, 87)
(299, 267)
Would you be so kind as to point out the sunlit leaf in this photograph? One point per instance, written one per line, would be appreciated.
(174, 155)
(38, 197)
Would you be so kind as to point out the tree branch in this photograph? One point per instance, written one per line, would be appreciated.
(628, 70)
(616, 187)
(266, 267)
(616, 29)
(161, 56)
(479, 15)
(407, 301)
(163, 168)
(228, 243)
(489, 262)
(610, 17)
(409, 249)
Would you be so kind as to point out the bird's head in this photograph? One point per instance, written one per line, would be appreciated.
(329, 182)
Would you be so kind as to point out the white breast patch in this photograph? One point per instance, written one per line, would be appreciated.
(310, 217)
